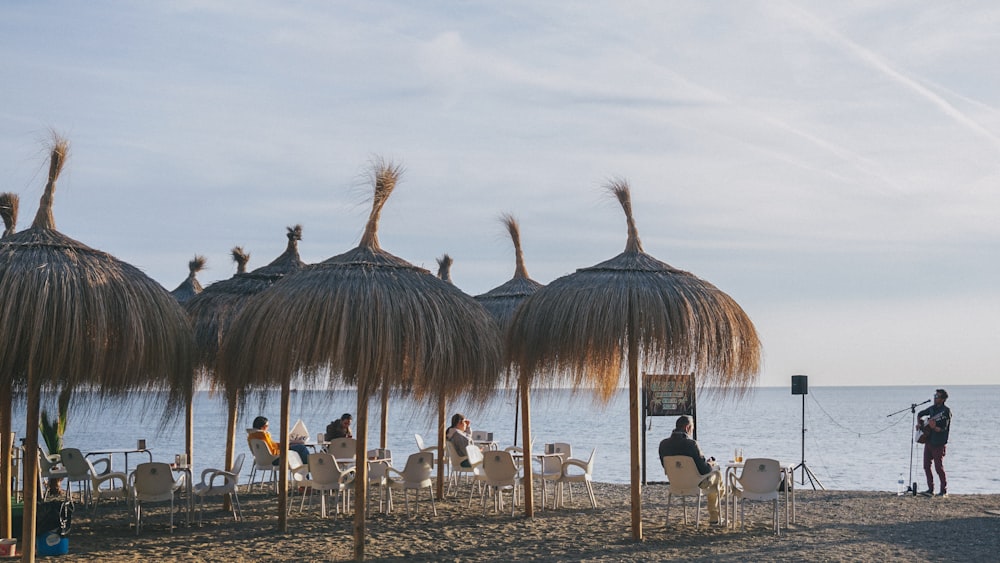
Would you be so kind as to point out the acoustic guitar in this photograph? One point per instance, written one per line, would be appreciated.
(924, 428)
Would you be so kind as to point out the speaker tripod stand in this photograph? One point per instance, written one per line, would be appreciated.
(806, 472)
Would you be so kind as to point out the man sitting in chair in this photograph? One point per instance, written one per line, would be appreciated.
(680, 442)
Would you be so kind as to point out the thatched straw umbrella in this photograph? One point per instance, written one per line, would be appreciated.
(588, 325)
(213, 310)
(503, 300)
(190, 286)
(8, 209)
(72, 316)
(368, 319)
(185, 291)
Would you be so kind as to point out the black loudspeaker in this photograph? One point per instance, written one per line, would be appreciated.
(800, 385)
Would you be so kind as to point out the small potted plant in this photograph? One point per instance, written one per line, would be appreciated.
(52, 434)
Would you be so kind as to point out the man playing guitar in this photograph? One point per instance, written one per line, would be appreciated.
(935, 437)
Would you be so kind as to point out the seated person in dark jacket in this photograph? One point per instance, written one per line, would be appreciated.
(680, 442)
(340, 428)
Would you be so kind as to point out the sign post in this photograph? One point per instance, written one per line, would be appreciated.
(666, 395)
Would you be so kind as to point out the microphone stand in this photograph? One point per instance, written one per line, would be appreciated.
(912, 486)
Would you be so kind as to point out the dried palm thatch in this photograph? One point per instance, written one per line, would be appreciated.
(190, 286)
(241, 257)
(75, 317)
(8, 210)
(589, 325)
(9, 204)
(503, 300)
(368, 319)
(213, 310)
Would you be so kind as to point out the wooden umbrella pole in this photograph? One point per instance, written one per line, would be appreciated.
(633, 405)
(189, 428)
(529, 500)
(440, 447)
(6, 449)
(383, 439)
(232, 417)
(286, 394)
(30, 471)
(517, 407)
(361, 477)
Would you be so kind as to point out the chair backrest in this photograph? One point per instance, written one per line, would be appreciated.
(760, 475)
(561, 448)
(454, 458)
(343, 448)
(682, 472)
(238, 465)
(294, 460)
(499, 467)
(75, 463)
(46, 462)
(418, 468)
(262, 456)
(323, 468)
(420, 442)
(153, 480)
(377, 471)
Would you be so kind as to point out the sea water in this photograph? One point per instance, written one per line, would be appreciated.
(851, 438)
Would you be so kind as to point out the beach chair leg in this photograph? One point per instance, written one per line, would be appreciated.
(430, 493)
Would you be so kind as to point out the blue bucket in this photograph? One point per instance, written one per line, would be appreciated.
(52, 544)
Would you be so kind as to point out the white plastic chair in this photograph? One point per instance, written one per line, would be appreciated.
(416, 475)
(759, 481)
(517, 452)
(81, 471)
(570, 475)
(49, 469)
(457, 469)
(423, 447)
(499, 475)
(377, 477)
(343, 449)
(263, 461)
(551, 469)
(327, 476)
(153, 482)
(218, 482)
(682, 472)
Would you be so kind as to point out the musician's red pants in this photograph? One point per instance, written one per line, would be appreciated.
(935, 454)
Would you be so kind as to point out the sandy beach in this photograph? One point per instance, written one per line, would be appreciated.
(830, 526)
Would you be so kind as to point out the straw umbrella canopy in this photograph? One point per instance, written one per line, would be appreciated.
(190, 286)
(628, 310)
(72, 316)
(213, 310)
(8, 210)
(503, 300)
(185, 291)
(367, 319)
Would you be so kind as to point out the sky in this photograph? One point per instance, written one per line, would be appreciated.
(833, 166)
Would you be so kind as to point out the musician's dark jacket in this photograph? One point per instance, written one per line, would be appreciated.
(679, 443)
(943, 421)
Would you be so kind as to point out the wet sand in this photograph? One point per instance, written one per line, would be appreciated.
(830, 526)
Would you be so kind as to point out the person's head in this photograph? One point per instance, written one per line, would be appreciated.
(940, 395)
(260, 422)
(458, 420)
(684, 423)
(346, 419)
